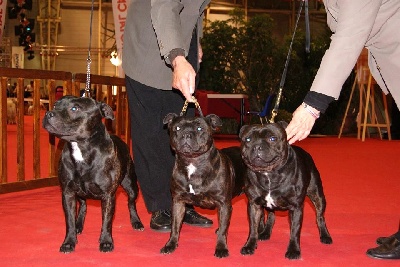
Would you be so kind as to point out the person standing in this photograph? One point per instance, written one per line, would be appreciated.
(160, 58)
(355, 24)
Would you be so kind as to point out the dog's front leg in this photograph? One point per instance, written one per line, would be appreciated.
(296, 220)
(224, 217)
(178, 212)
(254, 212)
(108, 209)
(69, 207)
(81, 215)
(265, 233)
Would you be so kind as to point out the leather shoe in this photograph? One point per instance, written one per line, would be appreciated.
(161, 221)
(388, 250)
(195, 219)
(383, 240)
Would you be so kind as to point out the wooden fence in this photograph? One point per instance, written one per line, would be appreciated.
(45, 150)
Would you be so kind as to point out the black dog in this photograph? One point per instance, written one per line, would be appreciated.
(92, 166)
(280, 176)
(203, 175)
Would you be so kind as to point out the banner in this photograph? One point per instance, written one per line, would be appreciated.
(17, 57)
(120, 8)
(3, 6)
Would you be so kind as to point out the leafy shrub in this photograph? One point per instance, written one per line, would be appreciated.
(244, 57)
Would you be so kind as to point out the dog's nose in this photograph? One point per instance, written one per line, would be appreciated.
(187, 135)
(256, 148)
(49, 114)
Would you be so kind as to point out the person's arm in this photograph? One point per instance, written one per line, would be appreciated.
(354, 24)
(165, 17)
(167, 25)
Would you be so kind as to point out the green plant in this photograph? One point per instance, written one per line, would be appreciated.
(244, 57)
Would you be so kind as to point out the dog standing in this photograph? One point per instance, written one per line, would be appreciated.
(203, 175)
(280, 176)
(92, 166)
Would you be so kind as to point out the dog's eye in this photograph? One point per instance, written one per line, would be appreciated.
(272, 138)
(199, 128)
(178, 128)
(248, 139)
(74, 108)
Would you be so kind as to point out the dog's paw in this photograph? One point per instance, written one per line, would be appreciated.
(221, 253)
(292, 254)
(249, 247)
(168, 249)
(106, 247)
(326, 239)
(67, 247)
(247, 250)
(138, 226)
(264, 236)
(79, 229)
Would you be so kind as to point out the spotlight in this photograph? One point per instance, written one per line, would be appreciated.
(114, 58)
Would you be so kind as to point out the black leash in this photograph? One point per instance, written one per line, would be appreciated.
(283, 78)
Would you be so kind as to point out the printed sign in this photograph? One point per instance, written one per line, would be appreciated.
(120, 8)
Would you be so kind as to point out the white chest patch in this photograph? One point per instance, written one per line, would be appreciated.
(270, 201)
(191, 169)
(191, 190)
(268, 198)
(76, 152)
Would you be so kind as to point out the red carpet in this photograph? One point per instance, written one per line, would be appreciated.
(361, 183)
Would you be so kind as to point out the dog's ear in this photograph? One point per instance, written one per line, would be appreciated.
(243, 129)
(284, 124)
(214, 120)
(106, 111)
(169, 117)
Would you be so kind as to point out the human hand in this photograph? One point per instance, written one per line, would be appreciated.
(183, 77)
(301, 124)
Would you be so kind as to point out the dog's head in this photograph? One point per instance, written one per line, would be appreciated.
(191, 136)
(264, 148)
(76, 118)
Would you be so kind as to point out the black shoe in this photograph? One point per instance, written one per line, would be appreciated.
(388, 250)
(195, 219)
(383, 240)
(161, 221)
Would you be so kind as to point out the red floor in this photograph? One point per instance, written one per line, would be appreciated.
(361, 183)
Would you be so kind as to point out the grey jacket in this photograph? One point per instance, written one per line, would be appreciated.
(356, 24)
(153, 28)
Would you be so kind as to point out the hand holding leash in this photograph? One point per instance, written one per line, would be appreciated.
(184, 77)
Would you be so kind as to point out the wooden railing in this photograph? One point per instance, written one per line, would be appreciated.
(46, 151)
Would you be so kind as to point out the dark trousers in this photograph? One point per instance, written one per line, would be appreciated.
(395, 126)
(152, 154)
